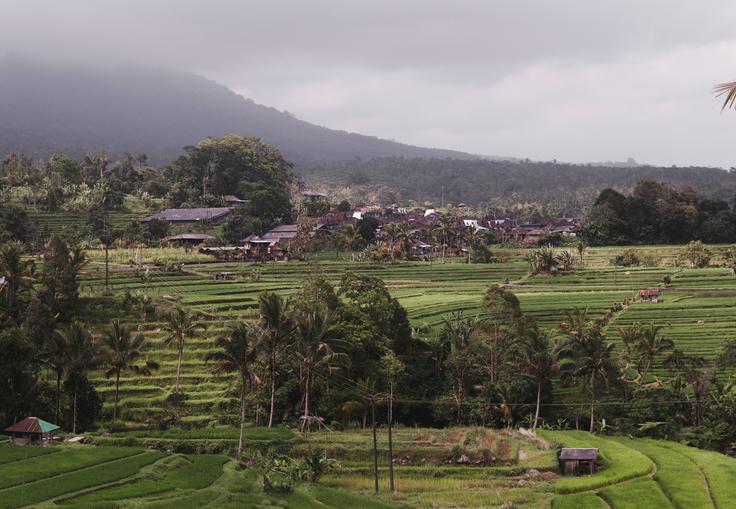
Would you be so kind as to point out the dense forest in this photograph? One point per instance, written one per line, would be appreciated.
(657, 213)
(556, 189)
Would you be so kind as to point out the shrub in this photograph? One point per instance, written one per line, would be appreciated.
(629, 258)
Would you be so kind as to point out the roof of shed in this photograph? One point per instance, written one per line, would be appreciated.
(32, 425)
(579, 454)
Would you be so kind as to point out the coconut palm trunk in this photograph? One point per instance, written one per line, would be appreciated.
(273, 388)
(539, 399)
(241, 439)
(592, 403)
(117, 400)
(74, 410)
(178, 365)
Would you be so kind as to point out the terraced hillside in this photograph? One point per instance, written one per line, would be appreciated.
(646, 473)
(109, 477)
(696, 310)
(455, 467)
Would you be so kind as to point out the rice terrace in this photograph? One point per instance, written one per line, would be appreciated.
(370, 255)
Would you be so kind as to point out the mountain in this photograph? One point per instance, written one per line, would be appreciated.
(46, 109)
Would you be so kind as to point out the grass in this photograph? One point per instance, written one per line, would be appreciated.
(79, 479)
(719, 471)
(637, 494)
(621, 462)
(680, 478)
(578, 501)
(68, 459)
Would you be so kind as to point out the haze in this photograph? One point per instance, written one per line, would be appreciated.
(573, 80)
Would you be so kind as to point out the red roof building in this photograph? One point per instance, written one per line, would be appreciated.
(31, 431)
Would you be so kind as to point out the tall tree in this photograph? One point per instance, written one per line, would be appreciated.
(589, 361)
(81, 353)
(121, 351)
(278, 326)
(16, 275)
(314, 349)
(540, 363)
(456, 334)
(652, 344)
(181, 324)
(237, 352)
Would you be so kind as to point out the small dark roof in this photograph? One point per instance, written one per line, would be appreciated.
(313, 194)
(190, 215)
(32, 425)
(579, 454)
(189, 236)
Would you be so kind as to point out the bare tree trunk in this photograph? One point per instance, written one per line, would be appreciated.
(375, 447)
(305, 421)
(241, 438)
(178, 367)
(592, 403)
(58, 396)
(117, 395)
(391, 438)
(539, 398)
(74, 411)
(273, 385)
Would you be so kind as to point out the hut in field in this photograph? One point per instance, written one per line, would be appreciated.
(31, 431)
(649, 295)
(578, 461)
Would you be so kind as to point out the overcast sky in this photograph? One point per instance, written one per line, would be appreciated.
(575, 80)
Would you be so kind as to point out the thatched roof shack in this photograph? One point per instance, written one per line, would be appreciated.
(578, 460)
(31, 431)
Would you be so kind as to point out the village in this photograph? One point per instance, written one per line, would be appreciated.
(406, 233)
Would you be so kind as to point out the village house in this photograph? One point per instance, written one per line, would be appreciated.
(578, 461)
(190, 217)
(31, 431)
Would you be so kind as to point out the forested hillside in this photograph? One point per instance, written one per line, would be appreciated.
(47, 109)
(561, 189)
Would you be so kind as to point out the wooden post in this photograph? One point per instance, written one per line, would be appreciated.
(390, 438)
(375, 447)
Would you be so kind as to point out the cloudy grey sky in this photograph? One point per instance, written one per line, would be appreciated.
(575, 80)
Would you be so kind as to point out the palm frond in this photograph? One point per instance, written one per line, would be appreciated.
(728, 90)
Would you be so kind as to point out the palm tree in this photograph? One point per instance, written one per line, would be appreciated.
(446, 232)
(121, 351)
(456, 336)
(278, 327)
(17, 274)
(651, 344)
(54, 356)
(590, 363)
(314, 350)
(729, 91)
(580, 246)
(392, 233)
(540, 362)
(237, 353)
(81, 353)
(351, 234)
(404, 237)
(181, 325)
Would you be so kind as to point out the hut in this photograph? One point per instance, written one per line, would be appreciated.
(578, 461)
(31, 431)
(650, 295)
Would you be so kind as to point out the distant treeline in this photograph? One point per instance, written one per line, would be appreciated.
(553, 188)
(657, 213)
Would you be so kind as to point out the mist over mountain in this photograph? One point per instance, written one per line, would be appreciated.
(46, 109)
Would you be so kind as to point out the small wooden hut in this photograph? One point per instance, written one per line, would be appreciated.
(649, 295)
(578, 461)
(31, 431)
